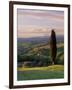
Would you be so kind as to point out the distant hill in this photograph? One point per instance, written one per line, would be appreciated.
(39, 39)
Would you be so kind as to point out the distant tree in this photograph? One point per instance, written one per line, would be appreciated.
(53, 46)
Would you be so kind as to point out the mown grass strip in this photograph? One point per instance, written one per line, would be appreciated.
(39, 74)
(50, 68)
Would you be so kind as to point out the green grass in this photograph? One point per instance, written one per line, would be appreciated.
(51, 72)
(49, 68)
(36, 73)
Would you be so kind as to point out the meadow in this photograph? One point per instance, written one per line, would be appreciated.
(34, 59)
(41, 73)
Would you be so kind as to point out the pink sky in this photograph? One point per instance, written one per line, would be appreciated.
(33, 23)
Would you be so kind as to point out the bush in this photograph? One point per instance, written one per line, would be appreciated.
(60, 58)
(35, 59)
(27, 64)
(59, 61)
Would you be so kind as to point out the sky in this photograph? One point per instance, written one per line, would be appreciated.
(37, 23)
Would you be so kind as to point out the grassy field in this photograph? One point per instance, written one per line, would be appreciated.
(34, 60)
(50, 72)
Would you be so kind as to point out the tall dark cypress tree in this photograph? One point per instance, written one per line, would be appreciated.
(53, 46)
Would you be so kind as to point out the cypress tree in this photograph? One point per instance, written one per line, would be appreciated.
(53, 46)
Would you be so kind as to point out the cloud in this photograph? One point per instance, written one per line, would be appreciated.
(37, 31)
(32, 23)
